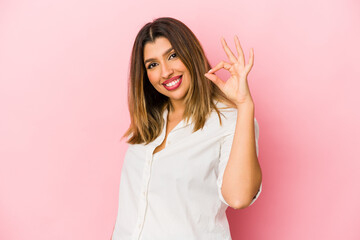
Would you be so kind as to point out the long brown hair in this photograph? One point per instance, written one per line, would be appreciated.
(146, 104)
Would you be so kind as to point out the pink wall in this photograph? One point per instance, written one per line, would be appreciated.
(63, 76)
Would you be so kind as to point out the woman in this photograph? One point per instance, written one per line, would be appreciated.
(192, 139)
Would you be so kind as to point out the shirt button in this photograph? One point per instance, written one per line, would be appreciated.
(139, 225)
(144, 193)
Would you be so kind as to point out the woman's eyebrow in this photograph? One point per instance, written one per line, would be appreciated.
(152, 59)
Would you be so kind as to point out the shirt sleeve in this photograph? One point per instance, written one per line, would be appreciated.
(225, 148)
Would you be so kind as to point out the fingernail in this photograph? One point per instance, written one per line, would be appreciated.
(209, 70)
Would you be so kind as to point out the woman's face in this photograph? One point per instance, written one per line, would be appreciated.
(165, 70)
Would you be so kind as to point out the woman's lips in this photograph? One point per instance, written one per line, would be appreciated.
(174, 86)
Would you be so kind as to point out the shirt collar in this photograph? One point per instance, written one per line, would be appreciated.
(181, 124)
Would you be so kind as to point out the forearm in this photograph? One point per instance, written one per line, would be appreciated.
(242, 176)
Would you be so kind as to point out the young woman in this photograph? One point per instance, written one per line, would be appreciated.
(192, 139)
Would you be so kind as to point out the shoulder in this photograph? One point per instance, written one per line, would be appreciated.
(224, 120)
(230, 117)
(227, 112)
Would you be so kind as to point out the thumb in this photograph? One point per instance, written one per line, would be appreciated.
(217, 81)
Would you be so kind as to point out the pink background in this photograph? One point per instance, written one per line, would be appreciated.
(63, 78)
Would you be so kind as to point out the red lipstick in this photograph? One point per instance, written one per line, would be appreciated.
(174, 81)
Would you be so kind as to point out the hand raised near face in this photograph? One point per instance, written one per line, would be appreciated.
(236, 87)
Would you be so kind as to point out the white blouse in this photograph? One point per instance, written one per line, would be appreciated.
(176, 193)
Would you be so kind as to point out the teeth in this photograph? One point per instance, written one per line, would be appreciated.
(173, 83)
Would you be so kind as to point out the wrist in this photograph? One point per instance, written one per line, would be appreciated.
(248, 105)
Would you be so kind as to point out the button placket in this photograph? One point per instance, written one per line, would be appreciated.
(143, 203)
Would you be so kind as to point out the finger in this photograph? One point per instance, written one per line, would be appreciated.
(219, 66)
(228, 52)
(241, 57)
(216, 80)
(251, 61)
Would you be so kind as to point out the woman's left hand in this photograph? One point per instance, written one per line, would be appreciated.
(236, 87)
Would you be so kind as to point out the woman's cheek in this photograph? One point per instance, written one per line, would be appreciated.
(152, 78)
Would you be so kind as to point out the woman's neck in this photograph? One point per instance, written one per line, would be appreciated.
(177, 109)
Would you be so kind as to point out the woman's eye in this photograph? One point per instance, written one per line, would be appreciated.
(149, 66)
(173, 54)
(152, 64)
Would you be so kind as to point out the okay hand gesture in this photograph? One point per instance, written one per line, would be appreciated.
(236, 87)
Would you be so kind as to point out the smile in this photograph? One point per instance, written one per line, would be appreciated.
(173, 84)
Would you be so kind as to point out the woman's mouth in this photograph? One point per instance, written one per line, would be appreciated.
(173, 84)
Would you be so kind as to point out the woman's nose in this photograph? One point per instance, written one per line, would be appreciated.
(166, 71)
